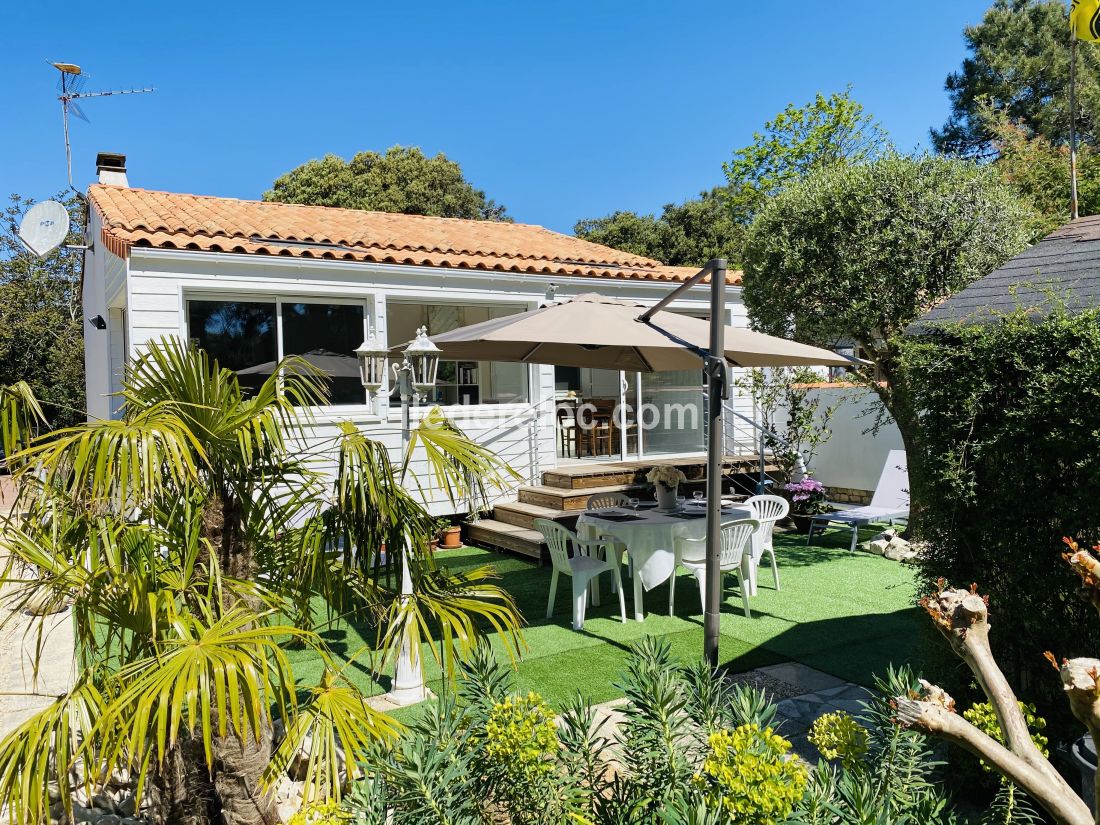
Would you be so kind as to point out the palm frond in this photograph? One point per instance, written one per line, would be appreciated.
(42, 749)
(221, 678)
(453, 605)
(458, 465)
(118, 464)
(335, 716)
(19, 413)
(370, 506)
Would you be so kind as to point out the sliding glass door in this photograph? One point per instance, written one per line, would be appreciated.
(608, 415)
(671, 412)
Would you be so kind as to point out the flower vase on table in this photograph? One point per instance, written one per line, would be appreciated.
(666, 482)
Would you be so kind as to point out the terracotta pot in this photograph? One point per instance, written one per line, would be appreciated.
(451, 538)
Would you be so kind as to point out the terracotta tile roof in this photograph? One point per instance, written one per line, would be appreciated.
(166, 220)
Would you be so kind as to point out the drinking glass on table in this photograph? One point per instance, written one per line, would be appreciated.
(698, 496)
(633, 504)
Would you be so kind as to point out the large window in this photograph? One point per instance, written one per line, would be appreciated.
(327, 335)
(239, 335)
(461, 382)
(245, 336)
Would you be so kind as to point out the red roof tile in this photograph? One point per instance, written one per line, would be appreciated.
(166, 220)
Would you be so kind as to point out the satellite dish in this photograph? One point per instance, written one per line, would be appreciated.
(44, 227)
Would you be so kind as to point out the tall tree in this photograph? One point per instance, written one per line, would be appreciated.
(1018, 67)
(41, 329)
(1039, 171)
(403, 179)
(685, 234)
(860, 251)
(798, 141)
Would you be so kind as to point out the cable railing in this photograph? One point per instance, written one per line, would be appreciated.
(746, 436)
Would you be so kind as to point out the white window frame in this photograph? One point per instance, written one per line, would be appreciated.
(325, 412)
(455, 409)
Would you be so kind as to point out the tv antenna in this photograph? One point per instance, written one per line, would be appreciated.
(71, 86)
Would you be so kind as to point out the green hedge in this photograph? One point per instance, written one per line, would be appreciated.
(1010, 425)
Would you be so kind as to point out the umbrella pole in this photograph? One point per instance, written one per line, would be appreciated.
(715, 367)
(716, 392)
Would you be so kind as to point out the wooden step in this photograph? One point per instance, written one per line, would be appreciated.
(489, 532)
(558, 498)
(603, 478)
(522, 514)
(611, 473)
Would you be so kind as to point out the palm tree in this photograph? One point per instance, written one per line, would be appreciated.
(195, 537)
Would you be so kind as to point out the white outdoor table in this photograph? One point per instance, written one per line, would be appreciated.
(650, 539)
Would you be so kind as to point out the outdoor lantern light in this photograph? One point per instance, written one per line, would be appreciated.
(372, 364)
(422, 356)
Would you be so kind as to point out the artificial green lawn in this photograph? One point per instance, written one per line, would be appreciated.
(848, 614)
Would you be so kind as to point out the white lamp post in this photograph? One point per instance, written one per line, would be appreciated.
(414, 376)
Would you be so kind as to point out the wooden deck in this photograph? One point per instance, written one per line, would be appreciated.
(564, 493)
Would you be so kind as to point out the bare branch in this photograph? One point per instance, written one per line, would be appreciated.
(933, 711)
(1088, 568)
(962, 616)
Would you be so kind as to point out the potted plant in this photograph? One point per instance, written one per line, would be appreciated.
(666, 481)
(807, 499)
(450, 535)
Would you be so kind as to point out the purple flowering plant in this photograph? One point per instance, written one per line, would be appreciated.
(807, 497)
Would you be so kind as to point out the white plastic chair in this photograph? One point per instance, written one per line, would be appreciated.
(736, 539)
(583, 567)
(601, 500)
(768, 510)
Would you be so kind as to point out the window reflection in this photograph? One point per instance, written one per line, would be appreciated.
(242, 336)
(239, 335)
(461, 382)
(326, 336)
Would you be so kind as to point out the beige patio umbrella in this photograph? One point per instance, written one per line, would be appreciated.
(604, 333)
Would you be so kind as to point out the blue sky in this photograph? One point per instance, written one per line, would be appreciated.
(559, 110)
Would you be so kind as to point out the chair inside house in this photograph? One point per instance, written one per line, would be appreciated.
(889, 503)
(768, 510)
(583, 560)
(736, 541)
(566, 417)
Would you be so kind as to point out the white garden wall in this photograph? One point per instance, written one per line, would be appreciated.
(853, 458)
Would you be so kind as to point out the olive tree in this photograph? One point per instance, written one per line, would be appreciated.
(860, 251)
(962, 617)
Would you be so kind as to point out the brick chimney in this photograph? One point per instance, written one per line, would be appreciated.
(111, 169)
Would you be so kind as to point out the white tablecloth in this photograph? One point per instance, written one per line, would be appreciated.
(650, 540)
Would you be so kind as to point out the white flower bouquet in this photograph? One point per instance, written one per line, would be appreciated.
(666, 476)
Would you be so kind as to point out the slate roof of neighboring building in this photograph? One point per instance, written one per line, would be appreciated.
(1064, 265)
(165, 220)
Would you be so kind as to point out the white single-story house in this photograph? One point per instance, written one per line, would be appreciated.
(252, 282)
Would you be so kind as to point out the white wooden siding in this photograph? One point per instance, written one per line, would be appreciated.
(524, 435)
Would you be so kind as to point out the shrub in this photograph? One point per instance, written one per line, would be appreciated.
(1009, 424)
(519, 749)
(749, 775)
(329, 812)
(839, 736)
(692, 749)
